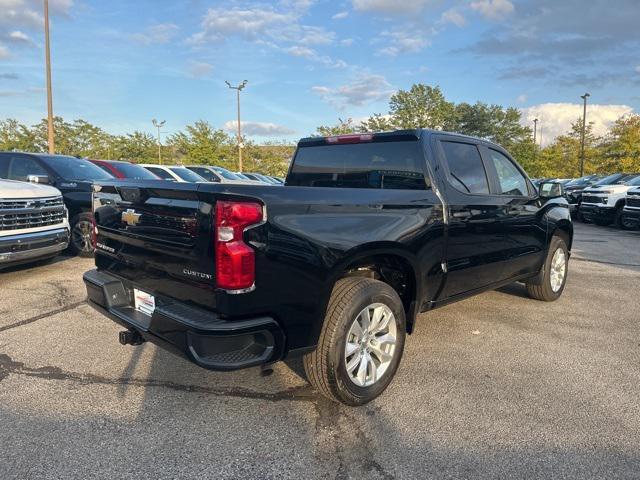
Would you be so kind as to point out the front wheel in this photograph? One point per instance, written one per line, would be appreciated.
(361, 342)
(81, 243)
(550, 283)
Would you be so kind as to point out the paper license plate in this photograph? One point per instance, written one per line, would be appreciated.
(144, 302)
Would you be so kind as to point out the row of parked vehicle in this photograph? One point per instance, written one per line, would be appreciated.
(604, 200)
(45, 200)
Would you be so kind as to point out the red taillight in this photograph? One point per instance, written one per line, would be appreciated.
(235, 260)
(357, 138)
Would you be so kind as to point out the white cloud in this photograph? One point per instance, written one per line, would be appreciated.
(365, 89)
(521, 98)
(453, 16)
(157, 34)
(493, 9)
(18, 37)
(637, 69)
(340, 15)
(264, 129)
(556, 118)
(299, 51)
(200, 69)
(403, 41)
(391, 7)
(20, 16)
(256, 24)
(347, 42)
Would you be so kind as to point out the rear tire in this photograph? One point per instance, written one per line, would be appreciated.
(361, 342)
(550, 283)
(601, 222)
(81, 243)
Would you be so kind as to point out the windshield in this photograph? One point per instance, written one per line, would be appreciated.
(226, 173)
(610, 180)
(186, 174)
(135, 172)
(72, 168)
(242, 176)
(634, 182)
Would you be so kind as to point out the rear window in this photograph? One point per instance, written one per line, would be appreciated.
(135, 172)
(186, 174)
(386, 165)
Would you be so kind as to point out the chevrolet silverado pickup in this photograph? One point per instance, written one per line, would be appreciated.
(369, 231)
(603, 204)
(33, 223)
(631, 211)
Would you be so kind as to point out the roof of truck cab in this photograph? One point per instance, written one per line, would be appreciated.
(417, 132)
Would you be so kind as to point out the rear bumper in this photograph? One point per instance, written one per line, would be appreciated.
(631, 216)
(29, 247)
(590, 211)
(196, 334)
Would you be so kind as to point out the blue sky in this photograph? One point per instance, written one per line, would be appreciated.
(119, 64)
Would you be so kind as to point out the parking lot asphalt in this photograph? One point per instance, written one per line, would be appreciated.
(497, 386)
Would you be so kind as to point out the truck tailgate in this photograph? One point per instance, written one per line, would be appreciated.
(158, 235)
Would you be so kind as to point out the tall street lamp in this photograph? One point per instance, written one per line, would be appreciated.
(238, 89)
(47, 49)
(535, 130)
(159, 125)
(584, 125)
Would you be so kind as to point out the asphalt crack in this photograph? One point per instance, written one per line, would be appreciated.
(8, 366)
(27, 321)
(351, 446)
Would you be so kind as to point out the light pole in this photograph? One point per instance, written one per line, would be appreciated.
(159, 125)
(535, 130)
(238, 89)
(47, 48)
(584, 125)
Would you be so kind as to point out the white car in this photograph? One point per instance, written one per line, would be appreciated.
(173, 173)
(34, 223)
(219, 175)
(631, 211)
(604, 204)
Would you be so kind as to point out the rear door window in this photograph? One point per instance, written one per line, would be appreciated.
(381, 165)
(466, 170)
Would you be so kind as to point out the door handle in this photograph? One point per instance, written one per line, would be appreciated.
(462, 215)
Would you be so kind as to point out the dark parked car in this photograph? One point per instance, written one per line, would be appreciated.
(369, 231)
(573, 190)
(72, 176)
(121, 169)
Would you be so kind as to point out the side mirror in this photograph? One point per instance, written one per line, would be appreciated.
(551, 190)
(38, 179)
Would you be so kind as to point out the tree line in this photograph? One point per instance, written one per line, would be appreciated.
(422, 106)
(199, 143)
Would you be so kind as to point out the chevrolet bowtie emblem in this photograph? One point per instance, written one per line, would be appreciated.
(130, 217)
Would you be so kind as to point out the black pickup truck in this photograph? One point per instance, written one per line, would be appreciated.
(369, 231)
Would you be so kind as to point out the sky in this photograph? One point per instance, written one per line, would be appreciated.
(119, 64)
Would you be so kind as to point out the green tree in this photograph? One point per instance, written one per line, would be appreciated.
(620, 149)
(202, 143)
(422, 106)
(16, 136)
(493, 122)
(377, 123)
(343, 127)
(137, 147)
